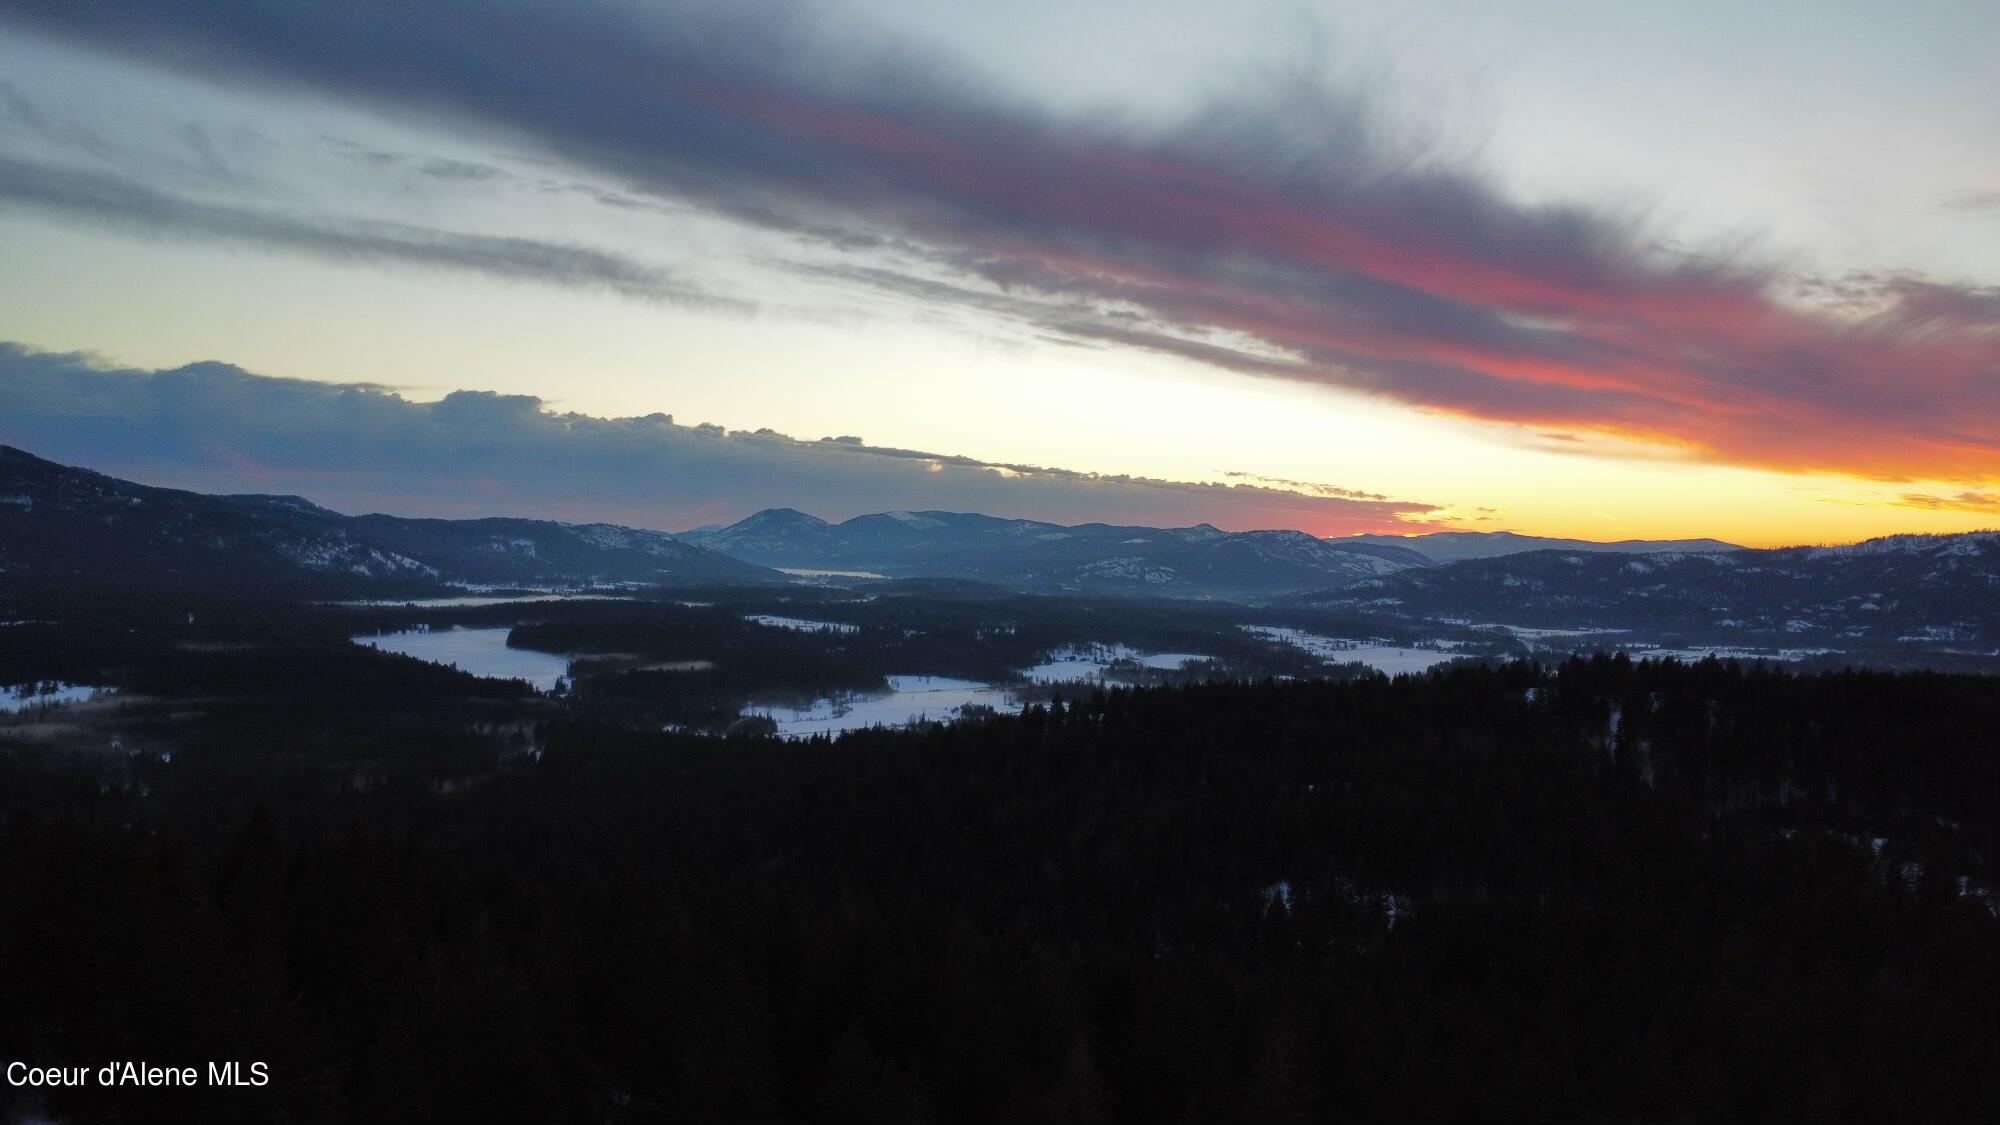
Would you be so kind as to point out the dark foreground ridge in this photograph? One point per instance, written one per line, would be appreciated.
(1605, 891)
(67, 529)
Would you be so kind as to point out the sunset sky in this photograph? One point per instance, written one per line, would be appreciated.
(1561, 268)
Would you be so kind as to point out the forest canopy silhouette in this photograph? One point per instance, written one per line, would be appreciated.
(1603, 890)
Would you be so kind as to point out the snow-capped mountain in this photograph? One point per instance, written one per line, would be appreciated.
(81, 527)
(1201, 561)
(771, 533)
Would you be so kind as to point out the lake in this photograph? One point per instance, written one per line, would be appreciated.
(479, 652)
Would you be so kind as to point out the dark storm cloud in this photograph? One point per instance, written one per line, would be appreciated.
(1281, 231)
(355, 447)
(113, 200)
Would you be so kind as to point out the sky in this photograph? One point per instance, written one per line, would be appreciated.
(1576, 269)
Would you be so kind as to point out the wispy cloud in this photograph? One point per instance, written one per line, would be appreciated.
(1961, 502)
(113, 200)
(355, 446)
(1974, 201)
(1283, 231)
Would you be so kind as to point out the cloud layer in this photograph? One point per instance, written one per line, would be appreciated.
(117, 201)
(355, 447)
(1280, 233)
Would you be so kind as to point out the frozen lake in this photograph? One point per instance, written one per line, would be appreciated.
(1387, 659)
(910, 698)
(480, 652)
(24, 697)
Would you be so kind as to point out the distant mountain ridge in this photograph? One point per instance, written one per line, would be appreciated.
(1199, 561)
(1456, 546)
(74, 526)
(1935, 592)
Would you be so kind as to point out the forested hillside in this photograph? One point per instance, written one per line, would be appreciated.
(1604, 891)
(66, 529)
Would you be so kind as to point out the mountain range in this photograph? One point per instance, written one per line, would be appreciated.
(1937, 593)
(74, 527)
(1092, 558)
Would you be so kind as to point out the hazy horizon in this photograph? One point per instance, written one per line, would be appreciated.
(839, 516)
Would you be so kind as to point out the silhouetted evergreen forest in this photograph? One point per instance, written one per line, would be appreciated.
(1602, 891)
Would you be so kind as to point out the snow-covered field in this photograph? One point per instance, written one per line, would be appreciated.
(910, 699)
(1526, 634)
(1088, 662)
(1389, 659)
(942, 698)
(480, 652)
(800, 624)
(1726, 653)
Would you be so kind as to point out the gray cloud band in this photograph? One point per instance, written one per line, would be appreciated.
(357, 447)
